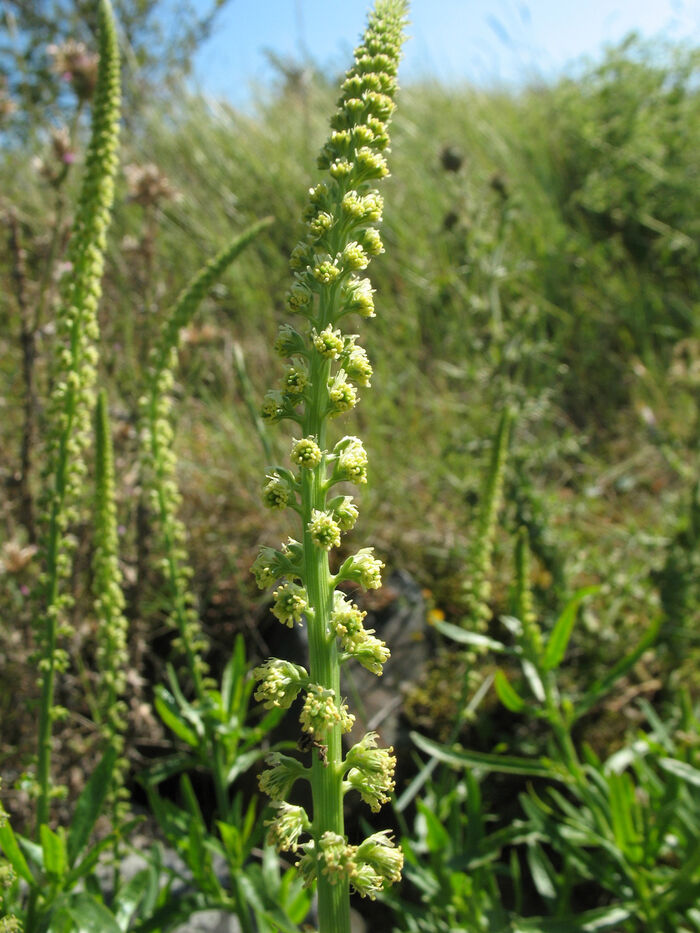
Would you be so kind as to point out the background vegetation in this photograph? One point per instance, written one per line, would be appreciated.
(542, 251)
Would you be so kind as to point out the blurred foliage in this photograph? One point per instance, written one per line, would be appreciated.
(157, 39)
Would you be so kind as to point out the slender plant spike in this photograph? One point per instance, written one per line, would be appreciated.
(72, 399)
(326, 368)
(524, 609)
(112, 627)
(477, 589)
(158, 460)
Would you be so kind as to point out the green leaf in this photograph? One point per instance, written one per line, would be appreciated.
(13, 853)
(89, 805)
(591, 921)
(504, 764)
(561, 633)
(243, 762)
(534, 680)
(507, 694)
(464, 637)
(54, 848)
(543, 875)
(90, 915)
(169, 712)
(681, 769)
(436, 836)
(129, 896)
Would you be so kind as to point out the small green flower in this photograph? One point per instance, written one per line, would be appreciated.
(336, 857)
(357, 366)
(346, 617)
(296, 381)
(379, 852)
(354, 257)
(363, 568)
(290, 603)
(325, 270)
(273, 407)
(351, 460)
(329, 343)
(370, 651)
(356, 296)
(287, 827)
(372, 242)
(275, 493)
(345, 512)
(320, 712)
(299, 297)
(278, 780)
(306, 453)
(280, 682)
(289, 342)
(342, 394)
(324, 530)
(371, 771)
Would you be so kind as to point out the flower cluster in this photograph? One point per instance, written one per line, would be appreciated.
(371, 771)
(368, 868)
(326, 368)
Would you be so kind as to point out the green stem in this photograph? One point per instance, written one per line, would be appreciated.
(324, 666)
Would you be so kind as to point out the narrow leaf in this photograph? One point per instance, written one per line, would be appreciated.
(90, 916)
(464, 637)
(89, 805)
(503, 764)
(169, 712)
(561, 633)
(54, 848)
(507, 693)
(681, 769)
(13, 853)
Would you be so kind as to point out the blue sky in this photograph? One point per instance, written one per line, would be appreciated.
(483, 41)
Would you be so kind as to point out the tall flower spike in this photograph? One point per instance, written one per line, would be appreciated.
(158, 461)
(322, 384)
(112, 627)
(74, 372)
